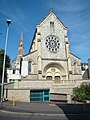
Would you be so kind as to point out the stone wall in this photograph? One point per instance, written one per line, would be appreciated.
(59, 31)
(19, 95)
(21, 89)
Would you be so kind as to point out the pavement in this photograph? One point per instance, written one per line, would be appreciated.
(46, 108)
(25, 107)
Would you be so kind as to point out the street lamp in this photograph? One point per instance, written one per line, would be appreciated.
(2, 86)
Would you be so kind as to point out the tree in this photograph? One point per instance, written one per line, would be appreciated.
(7, 64)
(82, 93)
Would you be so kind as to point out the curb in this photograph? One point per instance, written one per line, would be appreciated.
(47, 113)
(40, 114)
(32, 113)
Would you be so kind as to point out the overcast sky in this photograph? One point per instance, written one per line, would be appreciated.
(26, 14)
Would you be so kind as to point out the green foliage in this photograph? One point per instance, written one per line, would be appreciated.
(82, 93)
(7, 64)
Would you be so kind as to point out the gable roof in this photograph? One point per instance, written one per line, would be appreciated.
(75, 55)
(52, 12)
(33, 39)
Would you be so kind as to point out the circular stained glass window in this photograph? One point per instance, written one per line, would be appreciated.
(52, 43)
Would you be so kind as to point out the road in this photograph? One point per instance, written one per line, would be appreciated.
(29, 116)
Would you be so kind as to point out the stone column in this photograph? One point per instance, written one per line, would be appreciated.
(68, 55)
(39, 56)
(69, 65)
(67, 43)
(68, 98)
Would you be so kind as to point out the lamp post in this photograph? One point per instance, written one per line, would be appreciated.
(2, 86)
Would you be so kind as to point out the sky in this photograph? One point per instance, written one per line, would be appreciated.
(26, 14)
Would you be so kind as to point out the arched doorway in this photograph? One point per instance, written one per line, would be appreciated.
(57, 77)
(54, 71)
(49, 75)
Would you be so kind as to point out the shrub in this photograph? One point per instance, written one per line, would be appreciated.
(82, 93)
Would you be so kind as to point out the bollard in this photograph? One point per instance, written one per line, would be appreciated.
(13, 101)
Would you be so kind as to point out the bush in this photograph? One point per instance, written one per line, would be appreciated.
(82, 93)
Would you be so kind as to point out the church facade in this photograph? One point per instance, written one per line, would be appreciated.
(49, 71)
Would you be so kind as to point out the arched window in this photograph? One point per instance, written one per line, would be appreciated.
(49, 78)
(51, 26)
(57, 78)
(29, 67)
(75, 68)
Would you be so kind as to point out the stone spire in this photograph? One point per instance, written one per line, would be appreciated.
(21, 46)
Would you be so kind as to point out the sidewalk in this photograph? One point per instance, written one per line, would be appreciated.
(24, 107)
(47, 108)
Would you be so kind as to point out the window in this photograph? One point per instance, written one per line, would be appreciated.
(13, 71)
(52, 24)
(11, 80)
(52, 27)
(57, 78)
(52, 43)
(49, 78)
(75, 68)
(29, 67)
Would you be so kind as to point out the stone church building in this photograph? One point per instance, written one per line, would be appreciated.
(49, 71)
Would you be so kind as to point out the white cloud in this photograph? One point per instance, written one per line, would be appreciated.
(71, 5)
(16, 14)
(10, 10)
